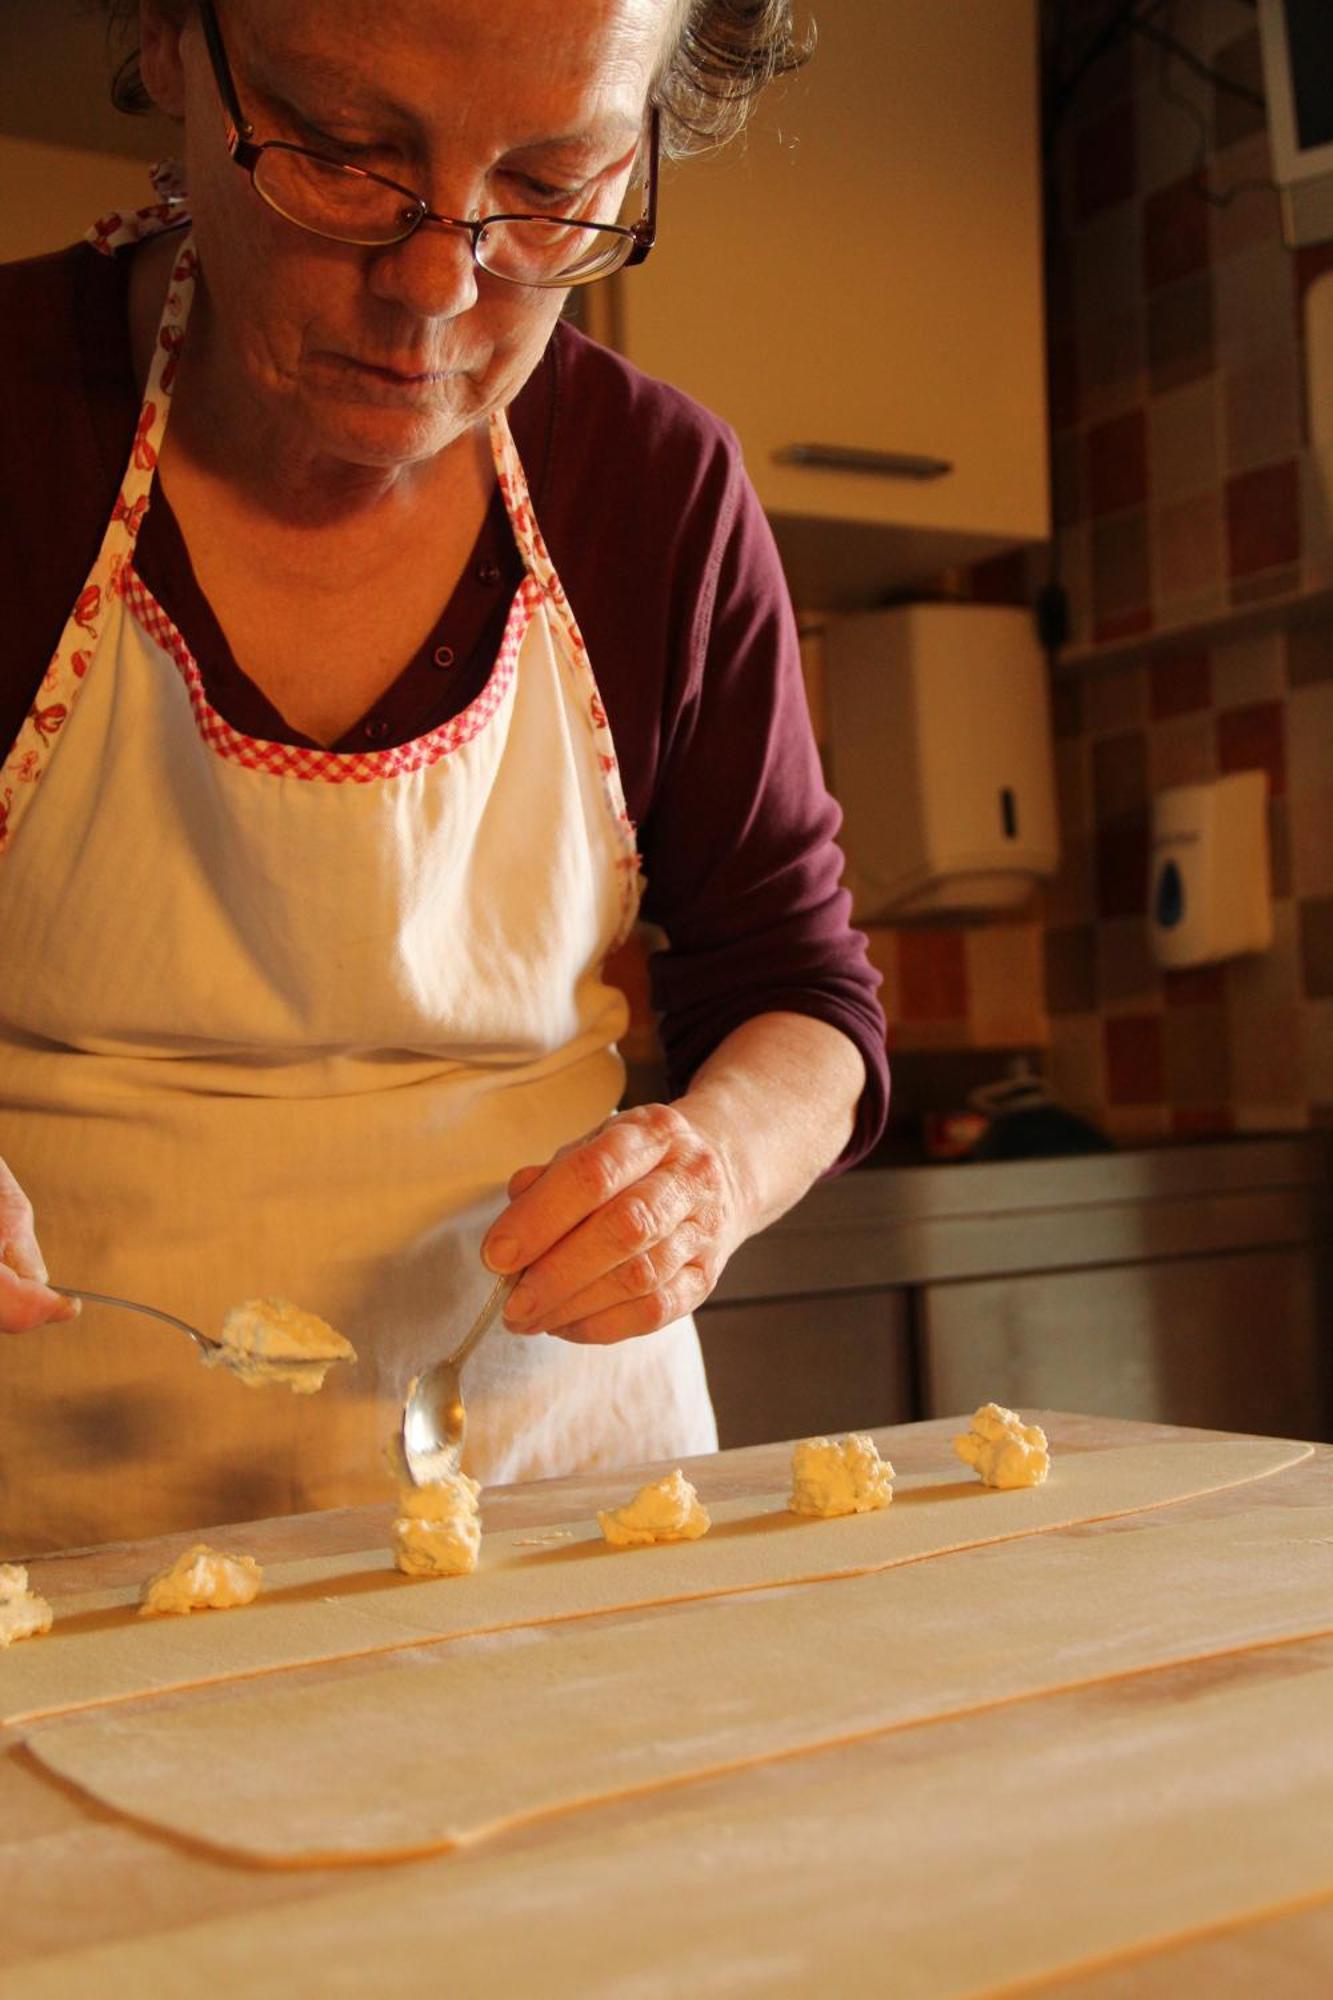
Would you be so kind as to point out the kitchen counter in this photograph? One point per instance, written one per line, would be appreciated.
(82, 1886)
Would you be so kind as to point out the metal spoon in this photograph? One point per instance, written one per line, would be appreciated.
(214, 1350)
(434, 1420)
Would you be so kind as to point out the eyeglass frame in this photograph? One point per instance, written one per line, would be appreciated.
(247, 154)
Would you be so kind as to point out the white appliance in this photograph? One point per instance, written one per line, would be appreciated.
(1209, 896)
(939, 741)
(1297, 40)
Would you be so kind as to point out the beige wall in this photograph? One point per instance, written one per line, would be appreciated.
(49, 195)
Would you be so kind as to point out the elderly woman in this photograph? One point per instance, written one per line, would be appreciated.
(377, 650)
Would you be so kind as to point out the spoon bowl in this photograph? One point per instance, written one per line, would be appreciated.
(434, 1419)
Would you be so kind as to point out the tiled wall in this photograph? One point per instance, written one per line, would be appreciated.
(1185, 499)
(1189, 530)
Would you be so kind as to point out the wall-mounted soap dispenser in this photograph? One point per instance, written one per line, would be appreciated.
(939, 741)
(1208, 889)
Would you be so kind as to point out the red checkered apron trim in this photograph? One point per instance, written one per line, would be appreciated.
(330, 767)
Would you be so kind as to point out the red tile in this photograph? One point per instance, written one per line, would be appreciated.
(1120, 777)
(1175, 233)
(1117, 463)
(1001, 580)
(1192, 1121)
(1134, 1059)
(1062, 381)
(1255, 739)
(1105, 161)
(1200, 986)
(1122, 870)
(1066, 706)
(1110, 625)
(932, 976)
(1264, 518)
(1179, 683)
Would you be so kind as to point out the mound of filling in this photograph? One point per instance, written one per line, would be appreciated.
(437, 1531)
(267, 1341)
(829, 1478)
(667, 1511)
(202, 1579)
(1003, 1449)
(23, 1615)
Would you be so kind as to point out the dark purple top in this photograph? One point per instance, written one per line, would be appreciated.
(670, 567)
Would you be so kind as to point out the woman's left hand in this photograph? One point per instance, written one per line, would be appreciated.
(622, 1231)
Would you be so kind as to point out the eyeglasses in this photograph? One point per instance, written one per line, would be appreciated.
(350, 205)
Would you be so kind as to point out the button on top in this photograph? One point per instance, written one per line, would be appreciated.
(488, 572)
(377, 730)
(443, 656)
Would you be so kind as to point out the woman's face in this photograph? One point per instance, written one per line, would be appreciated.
(378, 357)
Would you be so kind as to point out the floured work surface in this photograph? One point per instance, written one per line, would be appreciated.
(100, 1651)
(447, 1749)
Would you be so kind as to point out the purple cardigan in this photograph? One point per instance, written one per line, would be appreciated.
(671, 570)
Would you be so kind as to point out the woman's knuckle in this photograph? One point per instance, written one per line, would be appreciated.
(634, 1223)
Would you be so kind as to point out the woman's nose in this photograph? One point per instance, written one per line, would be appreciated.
(432, 273)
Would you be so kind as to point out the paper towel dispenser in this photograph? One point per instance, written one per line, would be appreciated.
(939, 739)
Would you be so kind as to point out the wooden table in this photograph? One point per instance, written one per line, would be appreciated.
(73, 1875)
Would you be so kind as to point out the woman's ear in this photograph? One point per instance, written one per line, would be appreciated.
(160, 26)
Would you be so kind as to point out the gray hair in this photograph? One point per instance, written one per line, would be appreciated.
(725, 54)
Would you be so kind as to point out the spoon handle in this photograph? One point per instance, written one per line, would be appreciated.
(134, 1306)
(499, 1292)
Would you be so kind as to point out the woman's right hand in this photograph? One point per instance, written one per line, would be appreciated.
(26, 1300)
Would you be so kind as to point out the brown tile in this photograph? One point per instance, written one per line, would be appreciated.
(1310, 735)
(1309, 654)
(1261, 409)
(1309, 262)
(1182, 751)
(1071, 981)
(1127, 976)
(1189, 545)
(1175, 233)
(1280, 865)
(1317, 1068)
(1122, 870)
(1248, 670)
(1197, 1054)
(1006, 997)
(1184, 440)
(1109, 627)
(1062, 389)
(1254, 213)
(1115, 698)
(932, 975)
(1066, 478)
(1070, 897)
(1263, 518)
(1254, 303)
(1120, 777)
(1235, 116)
(1254, 739)
(1105, 163)
(1066, 705)
(1073, 811)
(1134, 1064)
(1265, 586)
(1180, 332)
(1315, 919)
(1076, 1063)
(1117, 463)
(1120, 577)
(1266, 1060)
(1265, 980)
(1310, 818)
(1179, 682)
(1195, 986)
(1202, 1121)
(1111, 362)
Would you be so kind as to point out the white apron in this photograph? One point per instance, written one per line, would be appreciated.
(283, 1021)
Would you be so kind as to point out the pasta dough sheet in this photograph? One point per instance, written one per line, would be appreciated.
(1141, 1822)
(432, 1753)
(342, 1607)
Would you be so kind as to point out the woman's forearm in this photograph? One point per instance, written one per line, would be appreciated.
(778, 1097)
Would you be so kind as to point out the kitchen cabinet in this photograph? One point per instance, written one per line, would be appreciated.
(1185, 1285)
(863, 272)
